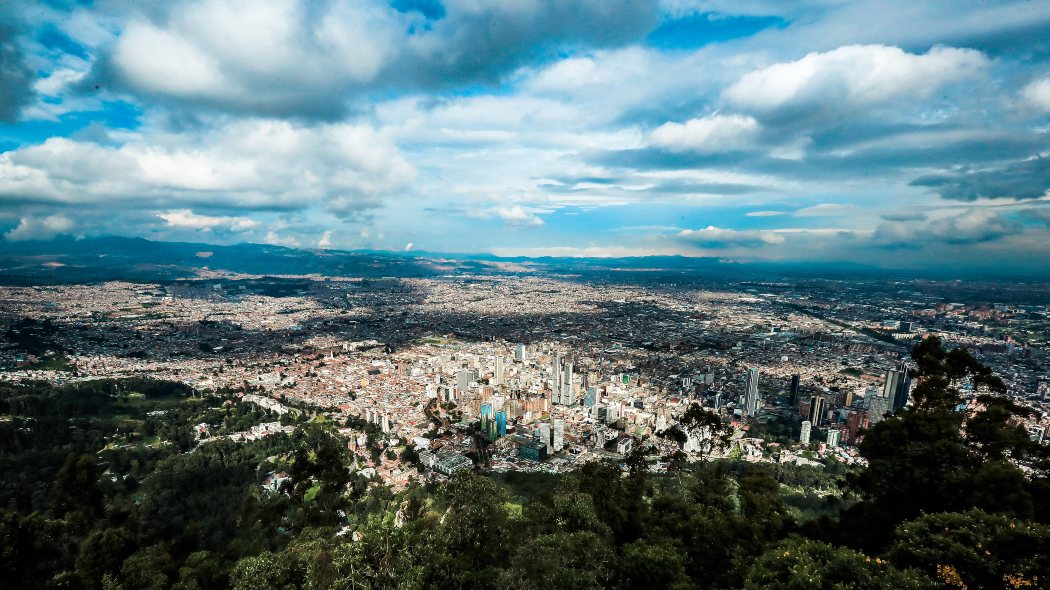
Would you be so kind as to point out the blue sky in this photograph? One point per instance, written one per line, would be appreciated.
(896, 133)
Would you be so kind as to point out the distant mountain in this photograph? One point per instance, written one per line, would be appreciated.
(70, 260)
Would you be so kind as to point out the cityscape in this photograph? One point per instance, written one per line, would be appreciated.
(525, 295)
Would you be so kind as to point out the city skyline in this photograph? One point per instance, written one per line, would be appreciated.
(875, 133)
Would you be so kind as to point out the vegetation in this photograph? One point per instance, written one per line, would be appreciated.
(88, 503)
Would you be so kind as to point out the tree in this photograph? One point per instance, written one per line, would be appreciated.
(931, 457)
(561, 561)
(645, 565)
(812, 565)
(102, 552)
(705, 432)
(979, 549)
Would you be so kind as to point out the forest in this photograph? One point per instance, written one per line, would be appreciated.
(107, 484)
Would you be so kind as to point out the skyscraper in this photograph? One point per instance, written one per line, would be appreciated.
(556, 375)
(558, 434)
(519, 353)
(751, 393)
(816, 410)
(793, 391)
(498, 376)
(807, 428)
(568, 393)
(896, 387)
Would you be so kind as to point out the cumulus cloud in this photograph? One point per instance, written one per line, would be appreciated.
(716, 237)
(713, 133)
(187, 219)
(1037, 94)
(307, 57)
(511, 214)
(254, 163)
(975, 225)
(1027, 179)
(850, 78)
(40, 228)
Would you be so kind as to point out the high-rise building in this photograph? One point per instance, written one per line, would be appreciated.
(556, 374)
(558, 434)
(816, 410)
(751, 393)
(519, 353)
(834, 437)
(568, 392)
(793, 391)
(501, 423)
(498, 372)
(464, 377)
(897, 387)
(545, 434)
(591, 398)
(856, 422)
(807, 428)
(877, 406)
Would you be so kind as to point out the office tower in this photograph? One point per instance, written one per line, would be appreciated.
(591, 398)
(568, 392)
(807, 429)
(896, 387)
(751, 393)
(498, 376)
(486, 417)
(793, 391)
(556, 374)
(545, 434)
(816, 410)
(558, 435)
(718, 402)
(501, 423)
(519, 353)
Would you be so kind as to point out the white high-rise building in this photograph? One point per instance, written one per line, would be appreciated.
(558, 433)
(807, 429)
(519, 353)
(751, 393)
(545, 434)
(498, 372)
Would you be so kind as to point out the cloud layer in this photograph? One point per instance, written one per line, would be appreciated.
(876, 132)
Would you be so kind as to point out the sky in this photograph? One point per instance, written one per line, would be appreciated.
(894, 133)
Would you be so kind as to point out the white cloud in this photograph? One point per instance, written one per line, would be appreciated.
(253, 163)
(975, 225)
(270, 56)
(510, 214)
(718, 238)
(764, 213)
(713, 133)
(40, 228)
(326, 240)
(517, 214)
(187, 219)
(1037, 94)
(826, 210)
(852, 77)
